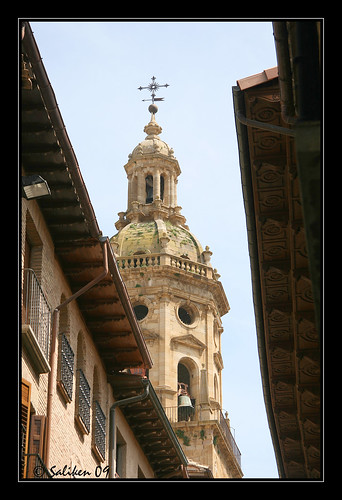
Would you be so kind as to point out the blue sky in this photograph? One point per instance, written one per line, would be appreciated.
(95, 69)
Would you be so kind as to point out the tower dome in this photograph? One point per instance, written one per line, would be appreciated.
(153, 223)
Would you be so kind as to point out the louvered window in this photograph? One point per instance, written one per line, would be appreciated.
(36, 446)
(83, 403)
(66, 377)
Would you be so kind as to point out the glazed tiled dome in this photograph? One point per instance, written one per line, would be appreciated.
(153, 236)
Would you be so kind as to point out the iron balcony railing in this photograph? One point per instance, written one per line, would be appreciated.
(174, 415)
(229, 436)
(36, 311)
(35, 467)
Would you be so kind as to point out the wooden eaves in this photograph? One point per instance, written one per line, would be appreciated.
(106, 307)
(46, 150)
(284, 305)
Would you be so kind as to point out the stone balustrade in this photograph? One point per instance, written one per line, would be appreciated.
(164, 259)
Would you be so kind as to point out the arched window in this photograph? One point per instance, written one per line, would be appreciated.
(184, 376)
(83, 402)
(64, 319)
(187, 380)
(149, 188)
(66, 356)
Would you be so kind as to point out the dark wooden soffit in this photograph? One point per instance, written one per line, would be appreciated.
(287, 337)
(150, 426)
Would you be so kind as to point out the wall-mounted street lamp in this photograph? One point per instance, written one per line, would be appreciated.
(34, 186)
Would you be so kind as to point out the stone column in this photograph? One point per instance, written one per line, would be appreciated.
(204, 396)
(156, 184)
(175, 191)
(167, 189)
(130, 191)
(210, 346)
(172, 190)
(141, 188)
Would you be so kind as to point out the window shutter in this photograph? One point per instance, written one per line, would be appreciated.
(36, 445)
(25, 419)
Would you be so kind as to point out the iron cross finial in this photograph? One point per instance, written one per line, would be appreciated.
(153, 88)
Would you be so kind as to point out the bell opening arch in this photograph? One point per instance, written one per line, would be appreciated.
(188, 374)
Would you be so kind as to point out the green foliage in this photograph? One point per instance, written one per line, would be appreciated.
(182, 435)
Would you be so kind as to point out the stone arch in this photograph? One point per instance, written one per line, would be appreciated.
(188, 369)
(64, 319)
(97, 392)
(81, 352)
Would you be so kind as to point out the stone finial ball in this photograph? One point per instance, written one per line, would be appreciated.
(153, 108)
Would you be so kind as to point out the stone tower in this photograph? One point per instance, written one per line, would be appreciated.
(178, 300)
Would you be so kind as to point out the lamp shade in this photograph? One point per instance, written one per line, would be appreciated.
(34, 186)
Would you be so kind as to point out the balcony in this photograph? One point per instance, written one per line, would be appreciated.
(197, 414)
(164, 259)
(36, 322)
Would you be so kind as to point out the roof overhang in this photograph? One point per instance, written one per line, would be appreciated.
(288, 341)
(151, 427)
(46, 150)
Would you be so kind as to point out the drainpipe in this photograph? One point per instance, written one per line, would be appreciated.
(112, 438)
(306, 70)
(55, 317)
(284, 72)
(263, 126)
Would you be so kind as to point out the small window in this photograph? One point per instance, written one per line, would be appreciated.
(186, 315)
(140, 311)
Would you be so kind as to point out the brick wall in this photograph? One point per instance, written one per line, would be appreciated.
(69, 446)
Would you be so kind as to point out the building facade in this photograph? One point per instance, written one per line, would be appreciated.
(179, 301)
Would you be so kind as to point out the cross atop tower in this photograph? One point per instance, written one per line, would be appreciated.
(153, 88)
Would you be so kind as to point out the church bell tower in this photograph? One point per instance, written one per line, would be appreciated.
(178, 301)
